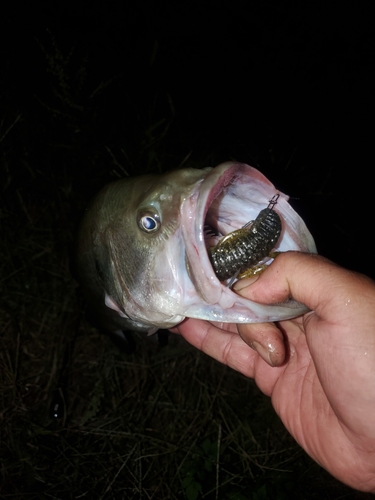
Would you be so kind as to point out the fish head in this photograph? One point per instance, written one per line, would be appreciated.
(130, 257)
(143, 249)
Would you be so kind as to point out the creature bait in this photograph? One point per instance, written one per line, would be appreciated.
(244, 248)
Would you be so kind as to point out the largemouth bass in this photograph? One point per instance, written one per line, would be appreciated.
(142, 258)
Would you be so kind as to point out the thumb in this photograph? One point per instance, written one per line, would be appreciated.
(311, 279)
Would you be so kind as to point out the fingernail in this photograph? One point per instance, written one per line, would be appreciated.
(263, 353)
(240, 284)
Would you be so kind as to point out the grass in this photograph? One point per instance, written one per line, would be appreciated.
(161, 423)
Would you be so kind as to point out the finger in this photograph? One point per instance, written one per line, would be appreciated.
(266, 339)
(224, 346)
(174, 330)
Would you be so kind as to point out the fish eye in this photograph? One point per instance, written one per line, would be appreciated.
(149, 221)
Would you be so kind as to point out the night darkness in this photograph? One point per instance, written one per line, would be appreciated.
(286, 90)
(92, 91)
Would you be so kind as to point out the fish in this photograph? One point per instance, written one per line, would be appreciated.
(142, 254)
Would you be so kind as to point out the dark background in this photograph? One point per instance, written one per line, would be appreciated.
(285, 89)
(93, 91)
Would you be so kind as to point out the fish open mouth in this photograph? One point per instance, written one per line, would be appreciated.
(225, 199)
(230, 196)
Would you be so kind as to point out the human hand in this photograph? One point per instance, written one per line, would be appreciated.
(318, 369)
